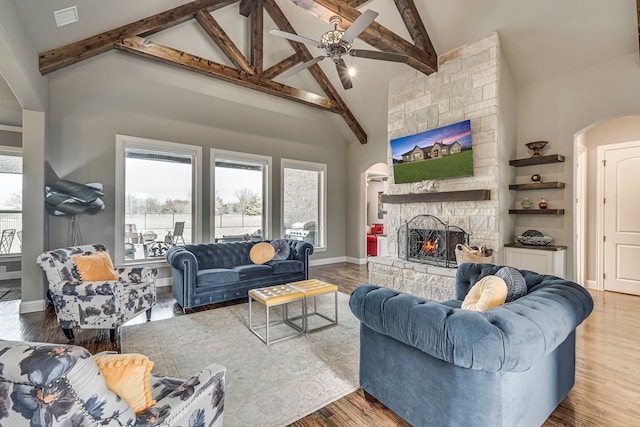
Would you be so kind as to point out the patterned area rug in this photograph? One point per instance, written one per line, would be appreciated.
(265, 386)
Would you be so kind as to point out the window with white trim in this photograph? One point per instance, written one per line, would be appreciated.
(158, 188)
(10, 200)
(304, 201)
(241, 200)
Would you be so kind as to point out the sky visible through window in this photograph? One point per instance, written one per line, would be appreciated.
(167, 180)
(10, 183)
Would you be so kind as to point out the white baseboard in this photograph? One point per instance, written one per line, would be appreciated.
(358, 261)
(164, 281)
(591, 284)
(32, 306)
(11, 275)
(326, 261)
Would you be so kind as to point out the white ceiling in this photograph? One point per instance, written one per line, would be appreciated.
(541, 39)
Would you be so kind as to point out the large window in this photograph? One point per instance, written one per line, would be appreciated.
(158, 199)
(241, 200)
(304, 201)
(10, 200)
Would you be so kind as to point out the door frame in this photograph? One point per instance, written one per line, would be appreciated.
(600, 193)
(580, 200)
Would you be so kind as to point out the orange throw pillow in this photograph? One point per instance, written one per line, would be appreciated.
(127, 375)
(95, 267)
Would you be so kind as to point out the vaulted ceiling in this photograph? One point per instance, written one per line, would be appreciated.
(540, 39)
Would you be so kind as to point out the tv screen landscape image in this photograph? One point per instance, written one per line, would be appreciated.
(440, 153)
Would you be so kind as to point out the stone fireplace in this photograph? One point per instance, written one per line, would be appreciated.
(464, 88)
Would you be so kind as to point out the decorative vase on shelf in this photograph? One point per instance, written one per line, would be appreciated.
(526, 203)
(536, 177)
(536, 146)
(543, 204)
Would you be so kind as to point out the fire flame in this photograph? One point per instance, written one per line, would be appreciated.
(429, 246)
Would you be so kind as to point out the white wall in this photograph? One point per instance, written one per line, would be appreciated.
(555, 110)
(19, 67)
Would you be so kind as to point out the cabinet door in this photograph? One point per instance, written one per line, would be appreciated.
(530, 259)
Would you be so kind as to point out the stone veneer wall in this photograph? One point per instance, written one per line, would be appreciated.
(464, 88)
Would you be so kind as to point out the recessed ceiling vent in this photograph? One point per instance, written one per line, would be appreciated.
(66, 16)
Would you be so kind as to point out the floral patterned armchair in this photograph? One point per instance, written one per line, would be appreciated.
(61, 385)
(95, 305)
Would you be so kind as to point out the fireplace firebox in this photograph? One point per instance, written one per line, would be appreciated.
(428, 239)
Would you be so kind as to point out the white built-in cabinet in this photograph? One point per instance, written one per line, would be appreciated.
(548, 259)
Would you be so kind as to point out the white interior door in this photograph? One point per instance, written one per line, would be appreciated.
(622, 219)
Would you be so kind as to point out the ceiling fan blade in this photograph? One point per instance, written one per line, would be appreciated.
(375, 54)
(295, 37)
(304, 65)
(359, 25)
(343, 72)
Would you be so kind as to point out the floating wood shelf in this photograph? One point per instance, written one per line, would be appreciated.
(553, 248)
(442, 196)
(537, 211)
(537, 186)
(540, 160)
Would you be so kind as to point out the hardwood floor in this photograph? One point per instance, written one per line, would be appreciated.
(606, 392)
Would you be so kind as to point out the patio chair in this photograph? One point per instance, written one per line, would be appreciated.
(7, 240)
(173, 238)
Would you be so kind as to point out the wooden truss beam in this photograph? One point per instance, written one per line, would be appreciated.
(384, 39)
(220, 38)
(167, 55)
(356, 3)
(70, 54)
(257, 24)
(412, 21)
(282, 66)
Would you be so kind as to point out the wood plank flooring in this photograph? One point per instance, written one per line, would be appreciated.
(606, 392)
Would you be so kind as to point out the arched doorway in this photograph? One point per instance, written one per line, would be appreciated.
(376, 185)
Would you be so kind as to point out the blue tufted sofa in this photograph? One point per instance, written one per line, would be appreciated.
(206, 273)
(438, 365)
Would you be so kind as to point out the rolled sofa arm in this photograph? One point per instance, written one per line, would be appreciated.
(300, 250)
(185, 271)
(197, 401)
(511, 337)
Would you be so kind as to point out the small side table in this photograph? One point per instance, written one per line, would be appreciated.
(272, 297)
(311, 289)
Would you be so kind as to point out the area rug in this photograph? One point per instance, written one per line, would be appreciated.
(265, 385)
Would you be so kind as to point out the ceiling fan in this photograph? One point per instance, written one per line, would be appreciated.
(337, 43)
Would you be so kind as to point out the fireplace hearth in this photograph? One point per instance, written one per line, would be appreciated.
(427, 239)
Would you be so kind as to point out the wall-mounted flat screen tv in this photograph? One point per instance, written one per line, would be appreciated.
(440, 153)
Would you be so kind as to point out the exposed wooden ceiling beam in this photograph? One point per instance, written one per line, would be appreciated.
(414, 24)
(321, 78)
(356, 3)
(384, 39)
(245, 8)
(130, 38)
(70, 54)
(167, 55)
(220, 38)
(257, 24)
(282, 66)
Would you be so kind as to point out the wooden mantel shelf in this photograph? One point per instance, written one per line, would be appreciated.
(441, 196)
